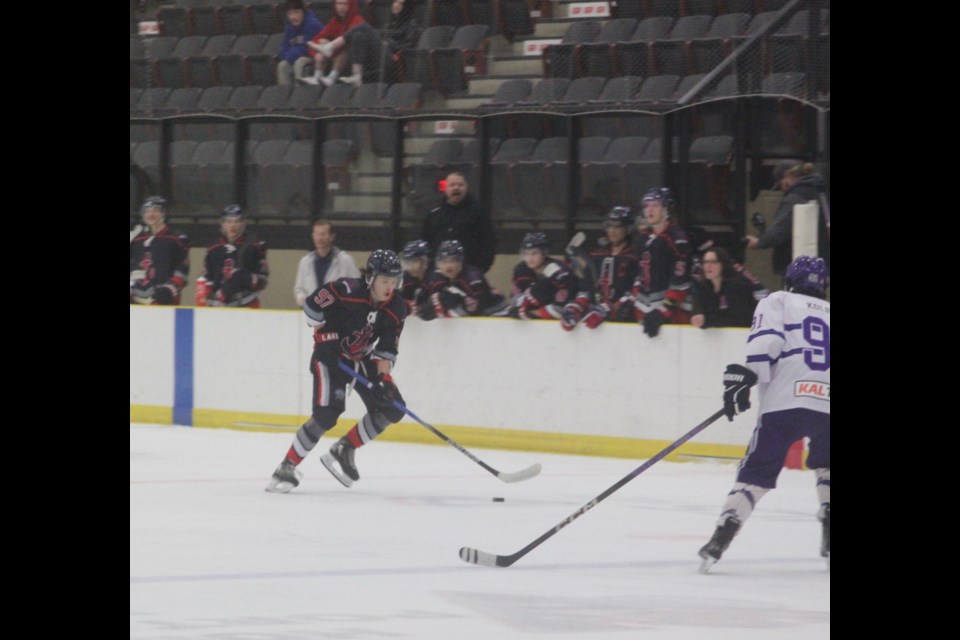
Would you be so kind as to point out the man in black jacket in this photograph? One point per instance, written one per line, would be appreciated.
(460, 217)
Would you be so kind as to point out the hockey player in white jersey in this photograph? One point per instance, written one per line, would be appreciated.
(788, 354)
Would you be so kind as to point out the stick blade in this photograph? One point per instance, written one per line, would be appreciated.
(523, 474)
(482, 558)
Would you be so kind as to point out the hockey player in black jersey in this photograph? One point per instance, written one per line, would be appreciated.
(159, 258)
(460, 289)
(615, 264)
(662, 286)
(356, 321)
(541, 285)
(415, 260)
(235, 267)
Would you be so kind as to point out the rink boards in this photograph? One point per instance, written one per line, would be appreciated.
(484, 382)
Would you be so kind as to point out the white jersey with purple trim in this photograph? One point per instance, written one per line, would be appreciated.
(789, 350)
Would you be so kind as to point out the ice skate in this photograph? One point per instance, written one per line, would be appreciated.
(285, 478)
(342, 453)
(713, 550)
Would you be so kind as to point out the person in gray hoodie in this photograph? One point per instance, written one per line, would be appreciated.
(800, 183)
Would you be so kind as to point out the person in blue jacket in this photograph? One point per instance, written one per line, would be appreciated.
(301, 25)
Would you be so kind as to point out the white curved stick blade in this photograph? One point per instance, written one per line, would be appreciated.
(474, 556)
(523, 474)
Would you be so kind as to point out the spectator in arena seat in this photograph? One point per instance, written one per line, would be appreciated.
(725, 296)
(324, 264)
(235, 268)
(330, 44)
(800, 183)
(159, 258)
(301, 25)
(380, 50)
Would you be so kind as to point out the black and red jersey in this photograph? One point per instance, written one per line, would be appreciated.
(468, 294)
(156, 260)
(543, 293)
(663, 270)
(615, 273)
(244, 260)
(414, 291)
(364, 328)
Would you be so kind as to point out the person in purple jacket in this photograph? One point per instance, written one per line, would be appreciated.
(301, 25)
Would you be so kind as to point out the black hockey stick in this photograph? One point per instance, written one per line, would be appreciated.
(474, 556)
(523, 474)
(581, 263)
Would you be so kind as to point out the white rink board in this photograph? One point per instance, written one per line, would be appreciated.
(474, 372)
(151, 355)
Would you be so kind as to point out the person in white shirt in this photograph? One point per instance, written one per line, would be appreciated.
(788, 354)
(324, 264)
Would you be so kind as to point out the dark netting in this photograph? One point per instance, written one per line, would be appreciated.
(552, 138)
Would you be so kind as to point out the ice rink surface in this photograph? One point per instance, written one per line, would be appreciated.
(214, 556)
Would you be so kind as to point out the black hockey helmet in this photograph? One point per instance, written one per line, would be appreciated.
(415, 249)
(155, 202)
(450, 249)
(383, 262)
(534, 240)
(663, 195)
(232, 211)
(620, 217)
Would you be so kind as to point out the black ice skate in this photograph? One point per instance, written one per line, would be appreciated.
(825, 541)
(285, 478)
(342, 452)
(713, 550)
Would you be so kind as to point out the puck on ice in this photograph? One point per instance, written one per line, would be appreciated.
(498, 499)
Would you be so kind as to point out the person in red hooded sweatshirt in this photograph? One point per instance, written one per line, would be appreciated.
(329, 44)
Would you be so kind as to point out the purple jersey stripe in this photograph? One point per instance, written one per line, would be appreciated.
(764, 333)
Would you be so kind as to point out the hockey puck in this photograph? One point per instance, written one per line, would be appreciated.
(498, 499)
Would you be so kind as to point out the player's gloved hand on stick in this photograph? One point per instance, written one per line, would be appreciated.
(240, 281)
(385, 391)
(570, 316)
(625, 311)
(652, 322)
(596, 316)
(326, 348)
(164, 294)
(737, 380)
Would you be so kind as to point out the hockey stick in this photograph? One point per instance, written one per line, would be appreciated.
(523, 474)
(474, 556)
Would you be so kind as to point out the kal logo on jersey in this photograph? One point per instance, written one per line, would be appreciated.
(811, 389)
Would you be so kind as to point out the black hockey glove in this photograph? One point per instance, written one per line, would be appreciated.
(626, 312)
(426, 311)
(652, 322)
(164, 294)
(386, 391)
(240, 282)
(737, 380)
(326, 349)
